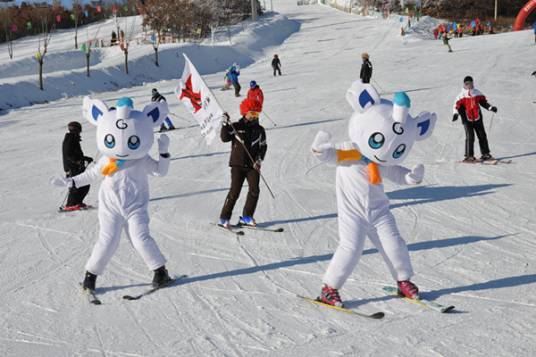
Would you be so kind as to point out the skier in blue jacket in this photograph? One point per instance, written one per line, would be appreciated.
(233, 74)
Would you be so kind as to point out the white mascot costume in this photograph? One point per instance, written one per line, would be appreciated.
(124, 137)
(382, 134)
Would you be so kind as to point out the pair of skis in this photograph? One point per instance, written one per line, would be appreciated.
(237, 229)
(389, 290)
(93, 299)
(486, 162)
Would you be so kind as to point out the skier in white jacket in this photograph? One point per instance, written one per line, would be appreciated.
(124, 137)
(382, 134)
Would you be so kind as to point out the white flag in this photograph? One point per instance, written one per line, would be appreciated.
(197, 97)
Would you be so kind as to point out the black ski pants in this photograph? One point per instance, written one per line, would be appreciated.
(470, 128)
(77, 195)
(277, 69)
(237, 89)
(238, 175)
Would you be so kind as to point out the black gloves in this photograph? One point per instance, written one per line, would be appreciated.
(88, 159)
(455, 117)
(493, 109)
(226, 119)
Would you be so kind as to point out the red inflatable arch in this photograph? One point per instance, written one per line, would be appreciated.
(523, 13)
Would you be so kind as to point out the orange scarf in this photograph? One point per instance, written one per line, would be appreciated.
(354, 155)
(113, 166)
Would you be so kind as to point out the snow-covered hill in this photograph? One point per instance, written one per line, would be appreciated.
(469, 228)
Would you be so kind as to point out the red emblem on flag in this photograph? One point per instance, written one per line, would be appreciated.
(188, 92)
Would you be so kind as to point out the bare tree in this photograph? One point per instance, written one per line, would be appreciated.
(156, 15)
(125, 38)
(44, 40)
(76, 15)
(8, 27)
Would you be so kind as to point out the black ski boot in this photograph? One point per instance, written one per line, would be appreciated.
(89, 281)
(161, 277)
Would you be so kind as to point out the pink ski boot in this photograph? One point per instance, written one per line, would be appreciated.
(330, 296)
(407, 289)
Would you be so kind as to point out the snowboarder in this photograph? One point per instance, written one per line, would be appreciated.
(382, 134)
(366, 68)
(248, 150)
(467, 105)
(74, 163)
(255, 92)
(157, 97)
(124, 137)
(276, 65)
(233, 74)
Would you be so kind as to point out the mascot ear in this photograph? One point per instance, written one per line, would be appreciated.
(93, 110)
(156, 112)
(362, 96)
(425, 124)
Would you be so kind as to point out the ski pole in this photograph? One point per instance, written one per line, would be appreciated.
(379, 86)
(65, 198)
(180, 118)
(491, 123)
(273, 122)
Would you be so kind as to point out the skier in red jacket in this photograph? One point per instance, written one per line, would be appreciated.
(255, 92)
(467, 105)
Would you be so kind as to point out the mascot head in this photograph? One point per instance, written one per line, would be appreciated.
(384, 131)
(122, 132)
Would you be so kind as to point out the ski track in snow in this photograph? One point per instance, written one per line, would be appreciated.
(470, 229)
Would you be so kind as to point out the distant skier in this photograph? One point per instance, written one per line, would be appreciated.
(534, 28)
(234, 72)
(245, 161)
(255, 92)
(276, 65)
(467, 105)
(366, 68)
(157, 97)
(227, 83)
(74, 163)
(446, 40)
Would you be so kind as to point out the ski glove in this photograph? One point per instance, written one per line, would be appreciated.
(493, 109)
(62, 182)
(455, 117)
(163, 144)
(88, 159)
(416, 175)
(226, 119)
(257, 165)
(321, 145)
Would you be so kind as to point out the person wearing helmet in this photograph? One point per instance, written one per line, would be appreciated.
(74, 163)
(276, 65)
(366, 68)
(255, 92)
(248, 149)
(157, 97)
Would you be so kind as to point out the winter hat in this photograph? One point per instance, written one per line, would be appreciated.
(250, 105)
(468, 79)
(154, 91)
(252, 84)
(365, 55)
(74, 127)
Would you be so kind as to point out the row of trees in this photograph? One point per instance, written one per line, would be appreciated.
(471, 8)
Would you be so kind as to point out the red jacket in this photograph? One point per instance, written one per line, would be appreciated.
(256, 93)
(468, 104)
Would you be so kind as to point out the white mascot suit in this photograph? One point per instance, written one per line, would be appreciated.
(124, 137)
(382, 134)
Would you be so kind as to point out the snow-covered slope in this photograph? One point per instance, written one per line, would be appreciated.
(470, 228)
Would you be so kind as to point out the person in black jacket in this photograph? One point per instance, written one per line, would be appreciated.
(157, 97)
(366, 69)
(248, 149)
(276, 65)
(74, 163)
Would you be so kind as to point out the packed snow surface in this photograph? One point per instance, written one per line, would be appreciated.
(470, 229)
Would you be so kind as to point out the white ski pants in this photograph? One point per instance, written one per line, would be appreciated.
(137, 229)
(383, 233)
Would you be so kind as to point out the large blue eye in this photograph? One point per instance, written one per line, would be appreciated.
(133, 142)
(399, 151)
(109, 141)
(376, 140)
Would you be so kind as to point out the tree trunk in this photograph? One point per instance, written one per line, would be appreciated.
(126, 61)
(87, 63)
(156, 56)
(41, 74)
(75, 37)
(10, 49)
